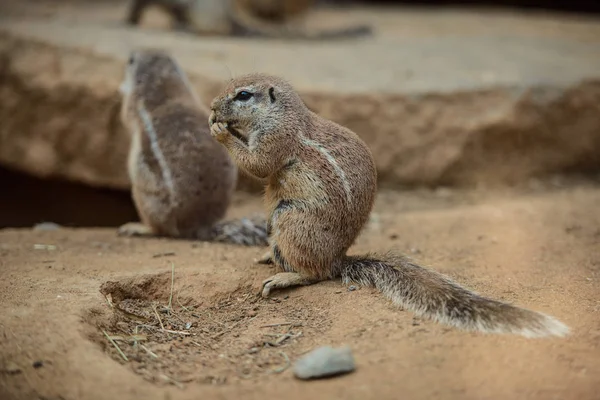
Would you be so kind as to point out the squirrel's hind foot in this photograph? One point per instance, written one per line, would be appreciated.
(284, 280)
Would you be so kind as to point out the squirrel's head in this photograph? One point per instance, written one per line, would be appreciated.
(257, 102)
(154, 76)
(144, 67)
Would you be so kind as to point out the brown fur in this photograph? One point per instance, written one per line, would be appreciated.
(182, 179)
(251, 18)
(320, 191)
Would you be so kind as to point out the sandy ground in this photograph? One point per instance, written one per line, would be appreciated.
(188, 321)
(539, 248)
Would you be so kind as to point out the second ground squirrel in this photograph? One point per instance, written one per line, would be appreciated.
(321, 188)
(182, 179)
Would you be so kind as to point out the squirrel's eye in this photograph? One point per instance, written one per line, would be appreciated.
(243, 96)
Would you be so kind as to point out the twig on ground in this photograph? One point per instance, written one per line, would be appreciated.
(281, 369)
(135, 342)
(129, 315)
(282, 338)
(167, 330)
(116, 346)
(181, 305)
(133, 338)
(172, 284)
(215, 336)
(158, 316)
(282, 324)
(108, 298)
(148, 351)
(177, 332)
(173, 381)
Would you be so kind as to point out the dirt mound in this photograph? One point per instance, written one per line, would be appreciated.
(167, 338)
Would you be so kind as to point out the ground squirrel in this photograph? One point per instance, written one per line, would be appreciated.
(321, 188)
(252, 18)
(182, 179)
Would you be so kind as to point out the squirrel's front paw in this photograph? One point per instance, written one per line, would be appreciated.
(219, 131)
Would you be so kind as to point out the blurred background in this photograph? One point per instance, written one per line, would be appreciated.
(452, 94)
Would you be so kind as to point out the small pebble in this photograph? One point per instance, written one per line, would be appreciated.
(38, 364)
(324, 361)
(11, 368)
(352, 288)
(44, 247)
(443, 192)
(46, 226)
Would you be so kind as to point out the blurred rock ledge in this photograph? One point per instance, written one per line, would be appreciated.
(496, 104)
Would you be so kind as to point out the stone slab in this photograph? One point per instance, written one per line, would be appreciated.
(442, 97)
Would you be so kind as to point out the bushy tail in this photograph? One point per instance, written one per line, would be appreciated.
(251, 231)
(430, 294)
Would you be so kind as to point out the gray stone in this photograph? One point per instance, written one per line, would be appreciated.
(46, 226)
(323, 362)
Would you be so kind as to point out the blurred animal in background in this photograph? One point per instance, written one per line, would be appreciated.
(182, 179)
(244, 18)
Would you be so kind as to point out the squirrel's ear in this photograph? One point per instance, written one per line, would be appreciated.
(272, 94)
